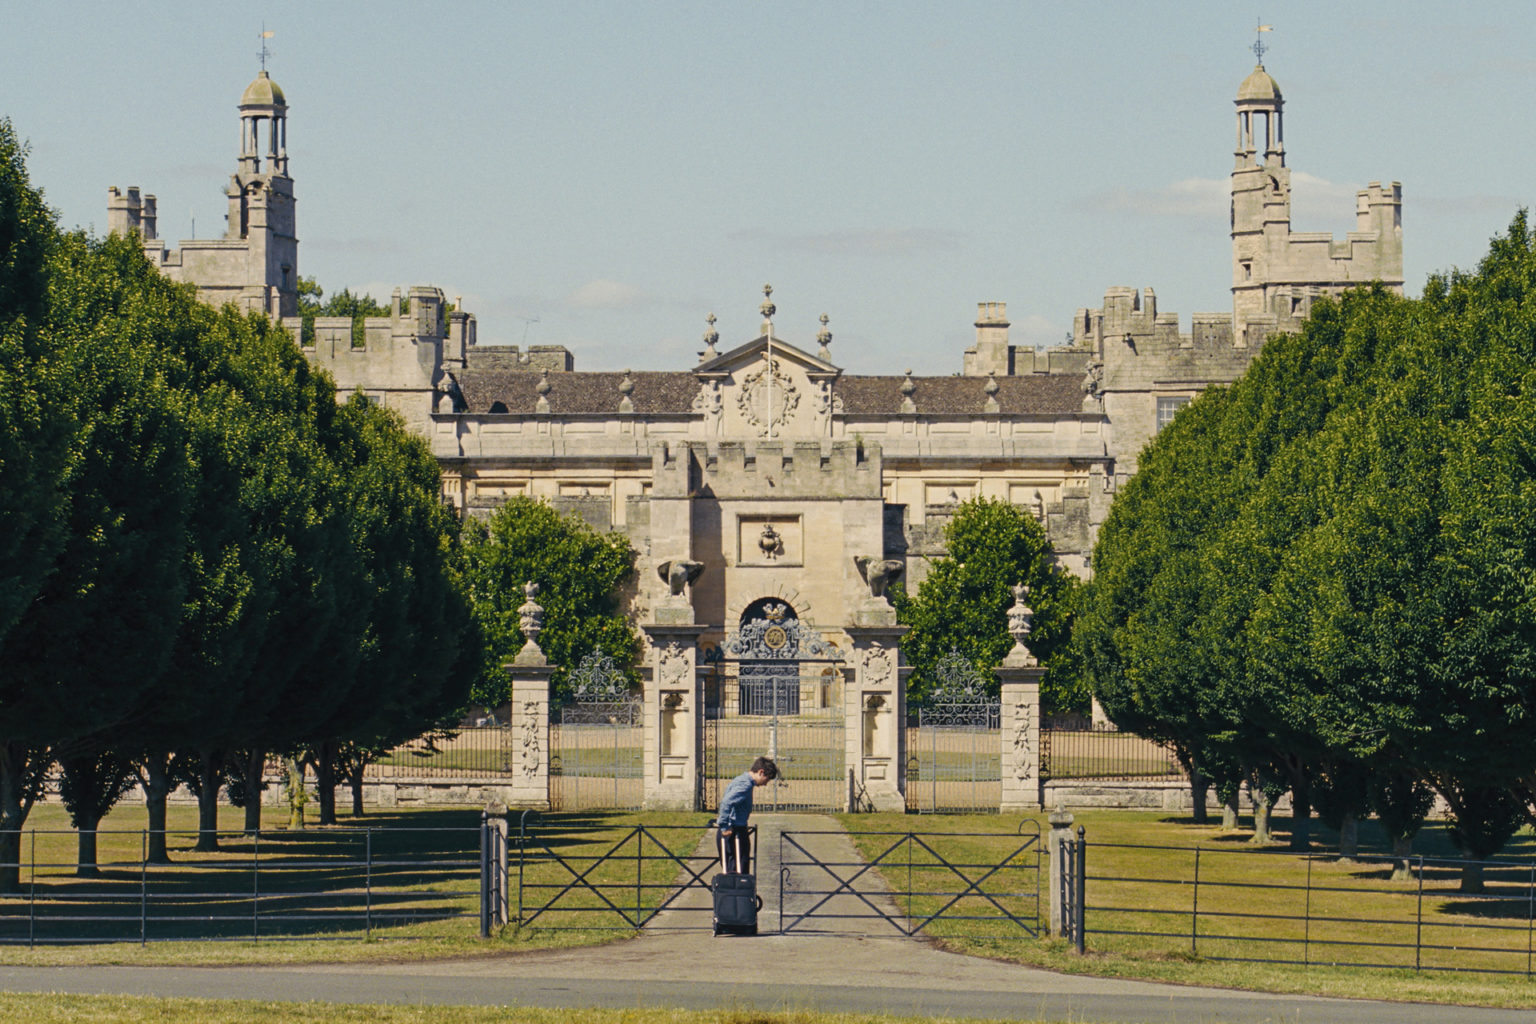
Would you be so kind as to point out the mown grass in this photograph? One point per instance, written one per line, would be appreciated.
(67, 1009)
(1256, 902)
(423, 874)
(1126, 850)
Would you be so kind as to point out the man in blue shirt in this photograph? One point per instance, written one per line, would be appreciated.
(736, 808)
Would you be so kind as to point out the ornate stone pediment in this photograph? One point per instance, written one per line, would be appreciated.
(767, 388)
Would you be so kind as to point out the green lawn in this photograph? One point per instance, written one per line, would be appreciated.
(319, 891)
(62, 1009)
(1140, 871)
(1140, 864)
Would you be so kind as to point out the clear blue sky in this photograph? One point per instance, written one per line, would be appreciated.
(618, 170)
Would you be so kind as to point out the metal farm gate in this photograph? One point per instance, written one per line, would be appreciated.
(776, 690)
(954, 757)
(597, 741)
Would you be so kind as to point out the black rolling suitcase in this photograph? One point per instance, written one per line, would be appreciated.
(735, 892)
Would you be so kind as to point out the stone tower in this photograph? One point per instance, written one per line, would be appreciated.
(256, 264)
(1277, 273)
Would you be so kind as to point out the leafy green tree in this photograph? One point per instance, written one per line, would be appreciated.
(962, 604)
(1359, 570)
(109, 604)
(36, 434)
(580, 573)
(417, 649)
(90, 785)
(38, 442)
(312, 303)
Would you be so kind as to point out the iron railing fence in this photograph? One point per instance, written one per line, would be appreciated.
(564, 882)
(1090, 753)
(472, 752)
(971, 884)
(272, 885)
(954, 768)
(1309, 910)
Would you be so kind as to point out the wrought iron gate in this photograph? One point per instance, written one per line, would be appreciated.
(954, 754)
(597, 741)
(776, 690)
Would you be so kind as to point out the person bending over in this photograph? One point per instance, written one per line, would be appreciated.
(736, 809)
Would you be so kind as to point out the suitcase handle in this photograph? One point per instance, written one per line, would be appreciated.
(759, 902)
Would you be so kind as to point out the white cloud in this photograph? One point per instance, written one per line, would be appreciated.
(1191, 197)
(1313, 199)
(604, 294)
(871, 241)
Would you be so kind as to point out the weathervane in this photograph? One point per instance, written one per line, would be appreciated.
(1258, 42)
(264, 53)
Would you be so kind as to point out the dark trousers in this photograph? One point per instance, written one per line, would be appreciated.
(735, 850)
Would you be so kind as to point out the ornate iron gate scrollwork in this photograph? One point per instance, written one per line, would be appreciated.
(776, 690)
(955, 760)
(598, 739)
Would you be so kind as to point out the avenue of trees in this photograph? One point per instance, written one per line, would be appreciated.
(1322, 580)
(205, 558)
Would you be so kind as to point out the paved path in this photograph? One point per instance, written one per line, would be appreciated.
(875, 972)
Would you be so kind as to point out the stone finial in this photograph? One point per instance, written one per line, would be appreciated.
(711, 337)
(824, 339)
(767, 308)
(991, 388)
(531, 615)
(626, 388)
(679, 573)
(908, 388)
(542, 387)
(879, 573)
(1020, 618)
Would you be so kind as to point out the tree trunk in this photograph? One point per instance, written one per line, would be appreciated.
(14, 806)
(1349, 837)
(325, 781)
(297, 797)
(85, 862)
(156, 780)
(356, 780)
(1229, 813)
(1199, 785)
(1402, 849)
(1301, 814)
(255, 775)
(208, 802)
(1261, 808)
(1471, 873)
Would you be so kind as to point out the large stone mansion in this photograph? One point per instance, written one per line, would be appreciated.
(769, 431)
(765, 488)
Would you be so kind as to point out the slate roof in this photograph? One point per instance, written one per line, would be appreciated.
(672, 393)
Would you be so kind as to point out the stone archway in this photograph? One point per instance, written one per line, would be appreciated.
(777, 686)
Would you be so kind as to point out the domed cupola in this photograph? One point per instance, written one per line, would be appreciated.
(263, 105)
(1259, 110)
(1258, 86)
(263, 92)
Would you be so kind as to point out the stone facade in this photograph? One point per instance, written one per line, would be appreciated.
(255, 265)
(783, 477)
(689, 462)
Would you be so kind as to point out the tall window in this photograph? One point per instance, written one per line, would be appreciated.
(1167, 408)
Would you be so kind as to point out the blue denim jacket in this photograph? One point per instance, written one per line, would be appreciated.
(736, 804)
